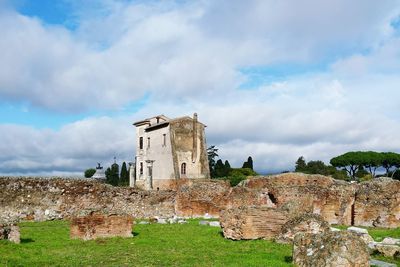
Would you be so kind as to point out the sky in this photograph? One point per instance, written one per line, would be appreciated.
(274, 80)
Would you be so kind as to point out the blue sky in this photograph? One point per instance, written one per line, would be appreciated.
(50, 12)
(274, 80)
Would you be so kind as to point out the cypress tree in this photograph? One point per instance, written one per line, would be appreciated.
(219, 168)
(248, 164)
(124, 177)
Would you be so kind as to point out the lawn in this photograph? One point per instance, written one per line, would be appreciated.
(48, 244)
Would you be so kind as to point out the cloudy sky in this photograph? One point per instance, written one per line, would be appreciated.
(270, 79)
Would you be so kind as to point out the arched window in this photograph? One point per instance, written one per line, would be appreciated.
(183, 168)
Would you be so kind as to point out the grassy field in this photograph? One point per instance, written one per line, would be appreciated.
(48, 244)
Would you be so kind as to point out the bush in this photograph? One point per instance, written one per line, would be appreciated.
(90, 172)
(340, 175)
(367, 177)
(237, 175)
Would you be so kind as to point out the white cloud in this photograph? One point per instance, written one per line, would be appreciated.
(188, 57)
(70, 150)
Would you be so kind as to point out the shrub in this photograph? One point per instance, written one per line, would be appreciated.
(90, 172)
(237, 175)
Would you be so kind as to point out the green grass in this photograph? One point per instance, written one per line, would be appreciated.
(48, 244)
(378, 234)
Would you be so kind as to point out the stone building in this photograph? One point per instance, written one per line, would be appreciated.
(168, 150)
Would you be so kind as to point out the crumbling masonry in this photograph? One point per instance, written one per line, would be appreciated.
(374, 203)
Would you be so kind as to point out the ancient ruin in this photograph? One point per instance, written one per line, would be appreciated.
(98, 225)
(372, 203)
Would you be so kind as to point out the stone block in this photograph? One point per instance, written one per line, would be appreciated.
(362, 233)
(331, 249)
(214, 224)
(97, 225)
(391, 241)
(305, 223)
(388, 250)
(252, 222)
(10, 232)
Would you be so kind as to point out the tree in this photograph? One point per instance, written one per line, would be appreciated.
(227, 165)
(390, 160)
(350, 161)
(90, 172)
(219, 169)
(300, 164)
(371, 161)
(124, 176)
(108, 175)
(248, 164)
(112, 174)
(212, 155)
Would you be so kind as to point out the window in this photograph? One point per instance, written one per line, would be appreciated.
(141, 143)
(164, 140)
(141, 168)
(148, 142)
(183, 168)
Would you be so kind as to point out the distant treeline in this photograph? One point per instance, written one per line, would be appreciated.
(354, 165)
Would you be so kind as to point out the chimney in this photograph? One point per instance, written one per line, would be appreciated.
(194, 151)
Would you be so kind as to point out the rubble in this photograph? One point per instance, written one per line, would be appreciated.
(48, 199)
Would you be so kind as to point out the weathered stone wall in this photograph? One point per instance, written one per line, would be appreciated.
(375, 203)
(46, 199)
(252, 222)
(196, 198)
(96, 225)
(300, 193)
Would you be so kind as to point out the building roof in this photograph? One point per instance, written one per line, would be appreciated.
(146, 121)
(163, 123)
